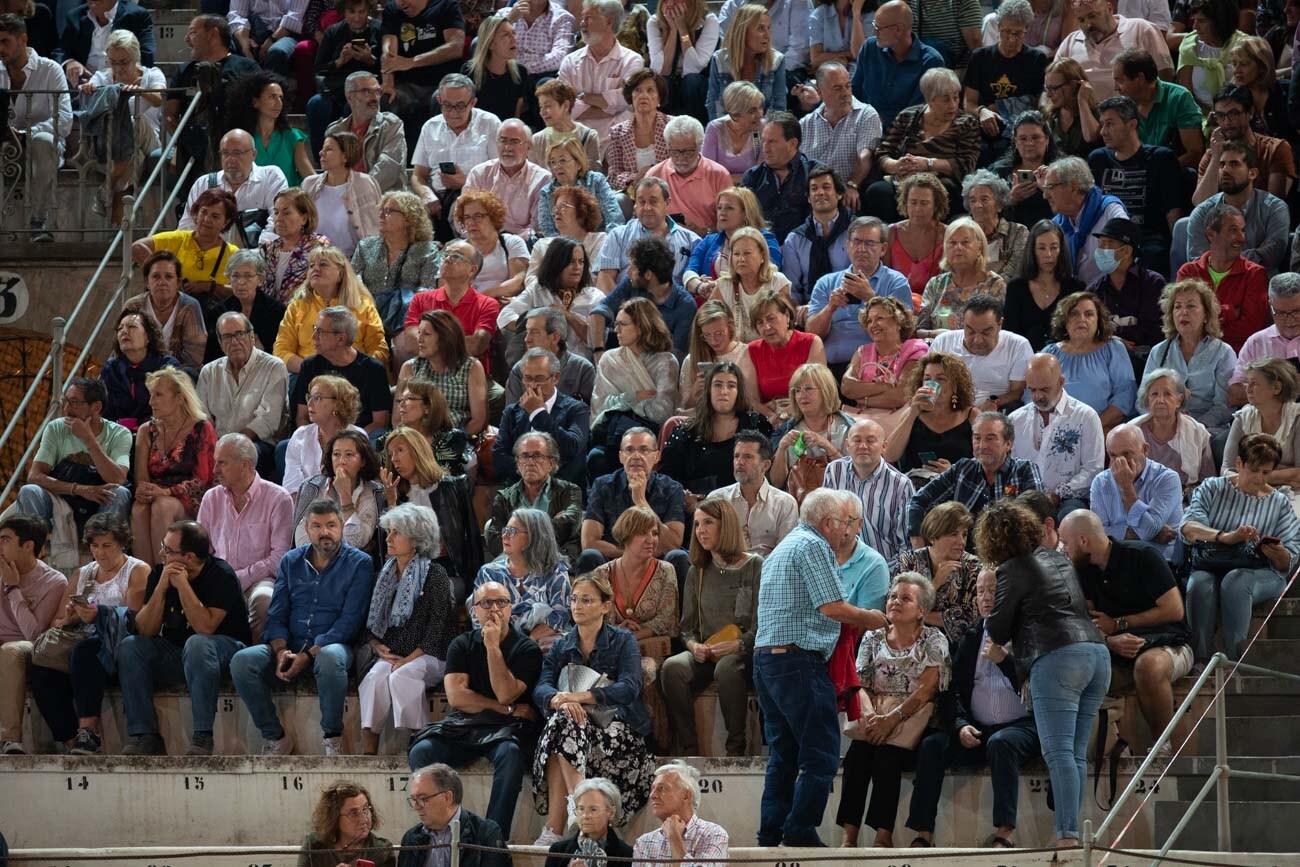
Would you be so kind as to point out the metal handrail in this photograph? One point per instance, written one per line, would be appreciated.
(1222, 772)
(53, 363)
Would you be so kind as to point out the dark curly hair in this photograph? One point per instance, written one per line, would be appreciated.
(240, 111)
(325, 816)
(1061, 317)
(152, 330)
(1006, 530)
(963, 387)
(584, 206)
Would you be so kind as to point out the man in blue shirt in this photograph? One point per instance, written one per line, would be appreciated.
(891, 63)
(800, 608)
(819, 244)
(780, 181)
(1137, 498)
(650, 274)
(650, 211)
(837, 298)
(321, 596)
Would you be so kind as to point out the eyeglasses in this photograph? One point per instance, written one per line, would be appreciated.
(168, 552)
(532, 457)
(1289, 315)
(454, 106)
(585, 600)
(418, 801)
(516, 142)
(389, 212)
(682, 152)
(511, 531)
(359, 813)
(1234, 114)
(317, 330)
(472, 218)
(618, 326)
(367, 91)
(234, 335)
(496, 603)
(243, 276)
(640, 450)
(238, 153)
(537, 380)
(75, 401)
(875, 26)
(1053, 88)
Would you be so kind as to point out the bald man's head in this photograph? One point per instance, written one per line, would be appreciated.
(893, 24)
(865, 445)
(1084, 538)
(1044, 380)
(1126, 441)
(237, 155)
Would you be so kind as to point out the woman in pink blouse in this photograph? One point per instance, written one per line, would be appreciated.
(878, 372)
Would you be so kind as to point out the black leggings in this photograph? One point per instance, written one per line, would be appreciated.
(881, 768)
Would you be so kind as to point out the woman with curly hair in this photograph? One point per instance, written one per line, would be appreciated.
(1042, 612)
(1195, 349)
(914, 245)
(879, 371)
(505, 256)
(333, 405)
(935, 432)
(330, 282)
(256, 105)
(343, 826)
(138, 350)
(1094, 362)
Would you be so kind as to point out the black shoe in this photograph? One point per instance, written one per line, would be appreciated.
(813, 842)
(145, 745)
(87, 743)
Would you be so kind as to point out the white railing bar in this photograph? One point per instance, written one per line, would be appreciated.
(1187, 817)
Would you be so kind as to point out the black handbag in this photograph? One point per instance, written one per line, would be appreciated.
(1219, 558)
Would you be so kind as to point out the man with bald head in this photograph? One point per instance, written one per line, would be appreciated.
(1063, 436)
(1138, 499)
(253, 186)
(884, 490)
(1134, 600)
(891, 63)
(512, 176)
(490, 677)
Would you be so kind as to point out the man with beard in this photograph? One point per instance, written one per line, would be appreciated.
(208, 38)
(1233, 108)
(650, 274)
(1267, 221)
(1063, 436)
(693, 179)
(818, 245)
(1240, 285)
(766, 514)
(516, 181)
(253, 186)
(318, 607)
(382, 134)
(1102, 36)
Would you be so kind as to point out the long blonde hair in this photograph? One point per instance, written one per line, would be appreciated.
(746, 16)
(427, 469)
(352, 292)
(181, 383)
(487, 31)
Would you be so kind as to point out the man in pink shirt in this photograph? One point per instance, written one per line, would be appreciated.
(250, 521)
(694, 180)
(1102, 35)
(515, 180)
(598, 69)
(32, 593)
(1279, 340)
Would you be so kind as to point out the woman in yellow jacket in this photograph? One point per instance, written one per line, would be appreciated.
(330, 281)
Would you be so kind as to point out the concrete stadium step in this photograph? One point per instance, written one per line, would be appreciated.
(1285, 622)
(1257, 826)
(1281, 654)
(1191, 775)
(1264, 736)
(239, 800)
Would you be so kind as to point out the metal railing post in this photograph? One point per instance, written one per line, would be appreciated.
(128, 224)
(1221, 757)
(455, 843)
(1087, 843)
(59, 333)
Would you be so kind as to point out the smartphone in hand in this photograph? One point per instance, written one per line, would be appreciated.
(447, 168)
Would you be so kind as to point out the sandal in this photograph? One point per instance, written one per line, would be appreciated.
(921, 843)
(1001, 843)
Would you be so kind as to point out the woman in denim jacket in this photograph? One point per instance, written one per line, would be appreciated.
(575, 745)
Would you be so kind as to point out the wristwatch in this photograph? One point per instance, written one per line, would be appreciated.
(851, 185)
(929, 163)
(1121, 625)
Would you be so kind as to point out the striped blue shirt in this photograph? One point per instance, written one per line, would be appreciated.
(1218, 504)
(885, 495)
(799, 576)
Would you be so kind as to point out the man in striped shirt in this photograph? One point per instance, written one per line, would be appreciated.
(884, 491)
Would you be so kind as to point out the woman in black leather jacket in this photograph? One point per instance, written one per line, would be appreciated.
(1041, 609)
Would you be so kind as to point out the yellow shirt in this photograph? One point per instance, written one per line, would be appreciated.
(196, 264)
(294, 336)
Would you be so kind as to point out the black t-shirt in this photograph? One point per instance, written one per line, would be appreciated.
(216, 587)
(331, 46)
(366, 373)
(468, 655)
(1149, 183)
(1136, 575)
(423, 33)
(1014, 84)
(233, 67)
(500, 94)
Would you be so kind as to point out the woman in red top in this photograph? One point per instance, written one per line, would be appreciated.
(777, 353)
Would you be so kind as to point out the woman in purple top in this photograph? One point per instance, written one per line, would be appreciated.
(732, 140)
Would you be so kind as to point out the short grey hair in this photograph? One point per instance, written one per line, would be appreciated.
(464, 249)
(860, 223)
(924, 589)
(246, 257)
(829, 67)
(985, 178)
(456, 81)
(738, 96)
(417, 523)
(1008, 429)
(1015, 10)
(1286, 285)
(687, 775)
(937, 81)
(353, 81)
(543, 553)
(234, 314)
(1073, 171)
(613, 796)
(1221, 212)
(683, 125)
(516, 122)
(342, 319)
(653, 181)
(851, 501)
(552, 447)
(552, 361)
(819, 505)
(555, 321)
(242, 445)
(443, 777)
(1176, 378)
(611, 9)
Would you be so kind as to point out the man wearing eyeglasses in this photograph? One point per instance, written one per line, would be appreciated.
(382, 133)
(693, 179)
(891, 63)
(543, 408)
(245, 392)
(513, 177)
(1279, 340)
(490, 676)
(1234, 106)
(253, 186)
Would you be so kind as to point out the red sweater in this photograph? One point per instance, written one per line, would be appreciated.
(1242, 293)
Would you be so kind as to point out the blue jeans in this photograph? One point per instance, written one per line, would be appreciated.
(279, 56)
(34, 501)
(143, 662)
(322, 110)
(803, 738)
(1237, 592)
(1068, 685)
(508, 764)
(253, 671)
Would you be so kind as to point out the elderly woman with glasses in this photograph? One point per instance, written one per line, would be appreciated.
(536, 575)
(343, 830)
(569, 167)
(598, 806)
(411, 623)
(245, 271)
(732, 140)
(537, 456)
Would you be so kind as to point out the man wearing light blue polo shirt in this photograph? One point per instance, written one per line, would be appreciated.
(651, 208)
(837, 298)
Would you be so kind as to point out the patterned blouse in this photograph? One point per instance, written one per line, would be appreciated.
(430, 626)
(884, 670)
(942, 300)
(186, 470)
(960, 142)
(655, 607)
(415, 268)
(954, 599)
(453, 385)
(295, 272)
(620, 157)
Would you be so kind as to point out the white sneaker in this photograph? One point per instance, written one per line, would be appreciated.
(282, 747)
(548, 837)
(13, 748)
(333, 747)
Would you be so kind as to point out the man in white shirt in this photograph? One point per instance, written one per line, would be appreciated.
(996, 358)
(246, 391)
(766, 514)
(1063, 436)
(1101, 36)
(516, 181)
(44, 120)
(598, 69)
(253, 186)
(459, 138)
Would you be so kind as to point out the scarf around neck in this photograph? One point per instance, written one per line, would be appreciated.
(819, 256)
(395, 595)
(1093, 206)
